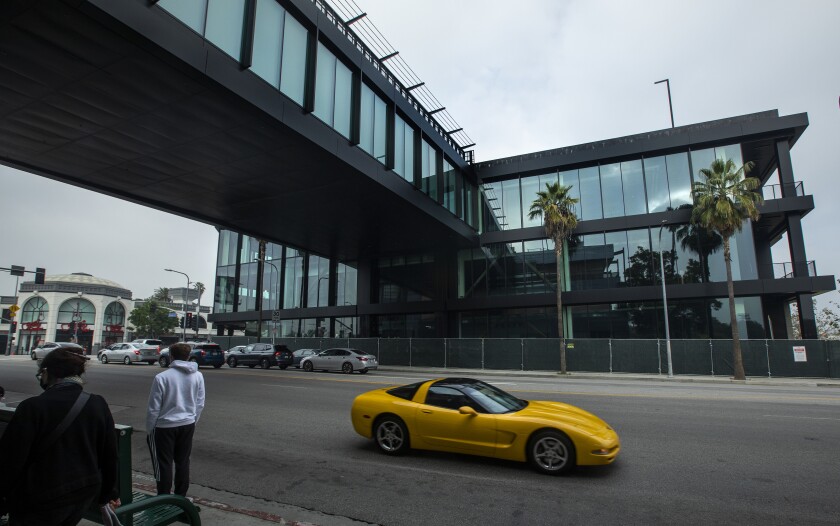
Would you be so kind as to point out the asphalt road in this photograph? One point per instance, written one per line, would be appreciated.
(691, 453)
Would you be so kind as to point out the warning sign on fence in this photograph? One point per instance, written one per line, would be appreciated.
(799, 354)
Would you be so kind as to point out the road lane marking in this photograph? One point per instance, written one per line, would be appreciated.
(802, 417)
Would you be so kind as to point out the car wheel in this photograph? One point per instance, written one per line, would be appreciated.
(363, 371)
(307, 366)
(265, 364)
(391, 435)
(127, 360)
(232, 362)
(347, 368)
(164, 361)
(216, 365)
(32, 355)
(103, 359)
(551, 452)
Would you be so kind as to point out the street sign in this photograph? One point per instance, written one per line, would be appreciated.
(275, 316)
(173, 314)
(13, 310)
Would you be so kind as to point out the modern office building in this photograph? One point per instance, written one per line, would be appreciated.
(348, 204)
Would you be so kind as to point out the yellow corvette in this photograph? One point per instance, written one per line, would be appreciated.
(462, 415)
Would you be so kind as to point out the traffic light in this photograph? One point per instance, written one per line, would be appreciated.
(14, 327)
(188, 322)
(40, 274)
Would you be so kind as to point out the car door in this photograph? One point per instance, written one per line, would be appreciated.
(442, 427)
(339, 358)
(247, 357)
(322, 359)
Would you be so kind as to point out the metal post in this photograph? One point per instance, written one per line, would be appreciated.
(11, 321)
(184, 303)
(276, 296)
(665, 304)
(670, 107)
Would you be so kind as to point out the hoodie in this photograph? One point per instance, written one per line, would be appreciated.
(177, 396)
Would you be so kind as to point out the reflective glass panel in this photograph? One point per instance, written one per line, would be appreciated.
(408, 174)
(732, 151)
(640, 268)
(325, 85)
(611, 190)
(225, 23)
(590, 193)
(399, 145)
(656, 180)
(540, 267)
(701, 159)
(449, 186)
(567, 178)
(318, 285)
(679, 179)
(346, 286)
(510, 204)
(429, 165)
(293, 75)
(366, 120)
(618, 257)
(293, 281)
(633, 183)
(530, 186)
(380, 129)
(268, 41)
(190, 12)
(343, 99)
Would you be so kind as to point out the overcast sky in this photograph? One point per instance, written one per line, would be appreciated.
(519, 77)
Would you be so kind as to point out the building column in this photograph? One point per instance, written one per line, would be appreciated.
(778, 318)
(796, 238)
(807, 317)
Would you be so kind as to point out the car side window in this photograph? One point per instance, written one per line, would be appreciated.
(446, 397)
(328, 352)
(249, 348)
(343, 353)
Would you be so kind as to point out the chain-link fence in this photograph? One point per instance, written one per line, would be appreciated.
(791, 358)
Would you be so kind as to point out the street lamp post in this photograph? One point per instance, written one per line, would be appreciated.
(276, 295)
(77, 317)
(670, 106)
(665, 304)
(184, 321)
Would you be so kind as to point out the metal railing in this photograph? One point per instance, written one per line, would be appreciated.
(767, 358)
(790, 269)
(777, 191)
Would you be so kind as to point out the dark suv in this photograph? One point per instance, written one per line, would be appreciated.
(265, 355)
(203, 353)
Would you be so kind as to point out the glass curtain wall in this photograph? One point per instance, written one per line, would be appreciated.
(293, 281)
(403, 149)
(449, 186)
(225, 294)
(373, 124)
(225, 25)
(318, 282)
(346, 280)
(333, 92)
(248, 272)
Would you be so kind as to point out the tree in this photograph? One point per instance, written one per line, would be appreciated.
(149, 320)
(162, 295)
(200, 288)
(557, 208)
(722, 203)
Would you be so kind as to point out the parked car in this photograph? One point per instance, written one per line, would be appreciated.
(47, 347)
(129, 353)
(341, 359)
(300, 354)
(266, 355)
(233, 350)
(203, 353)
(462, 415)
(149, 341)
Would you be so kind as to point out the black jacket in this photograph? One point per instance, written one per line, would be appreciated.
(81, 463)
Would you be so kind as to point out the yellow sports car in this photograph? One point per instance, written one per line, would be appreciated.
(463, 415)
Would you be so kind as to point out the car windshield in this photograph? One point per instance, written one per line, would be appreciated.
(493, 399)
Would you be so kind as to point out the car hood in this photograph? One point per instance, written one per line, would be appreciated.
(567, 414)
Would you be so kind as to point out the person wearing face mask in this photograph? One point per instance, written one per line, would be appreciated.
(59, 451)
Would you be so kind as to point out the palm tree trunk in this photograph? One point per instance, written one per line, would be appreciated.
(558, 254)
(737, 360)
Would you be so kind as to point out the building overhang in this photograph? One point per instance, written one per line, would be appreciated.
(120, 98)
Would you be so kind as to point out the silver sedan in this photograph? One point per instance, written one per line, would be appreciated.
(345, 360)
(129, 353)
(46, 347)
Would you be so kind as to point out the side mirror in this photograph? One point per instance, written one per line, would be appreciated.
(467, 410)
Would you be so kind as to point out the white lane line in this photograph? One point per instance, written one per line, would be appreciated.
(287, 386)
(802, 417)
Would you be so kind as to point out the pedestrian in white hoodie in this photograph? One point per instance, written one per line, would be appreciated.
(175, 404)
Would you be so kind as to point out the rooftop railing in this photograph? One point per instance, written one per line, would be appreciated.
(777, 191)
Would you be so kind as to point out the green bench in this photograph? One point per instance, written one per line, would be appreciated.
(137, 509)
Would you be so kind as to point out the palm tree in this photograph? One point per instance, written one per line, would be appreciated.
(722, 204)
(162, 294)
(200, 288)
(557, 208)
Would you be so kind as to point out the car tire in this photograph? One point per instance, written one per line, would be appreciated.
(32, 355)
(127, 360)
(307, 366)
(163, 362)
(347, 368)
(551, 452)
(363, 371)
(391, 435)
(232, 362)
(216, 365)
(103, 359)
(265, 364)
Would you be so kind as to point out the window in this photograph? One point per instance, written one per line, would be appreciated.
(333, 91)
(268, 41)
(293, 76)
(428, 174)
(449, 186)
(633, 185)
(373, 124)
(656, 180)
(611, 190)
(225, 24)
(403, 149)
(590, 193)
(511, 206)
(191, 12)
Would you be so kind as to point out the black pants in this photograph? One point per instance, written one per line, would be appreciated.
(63, 516)
(170, 445)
